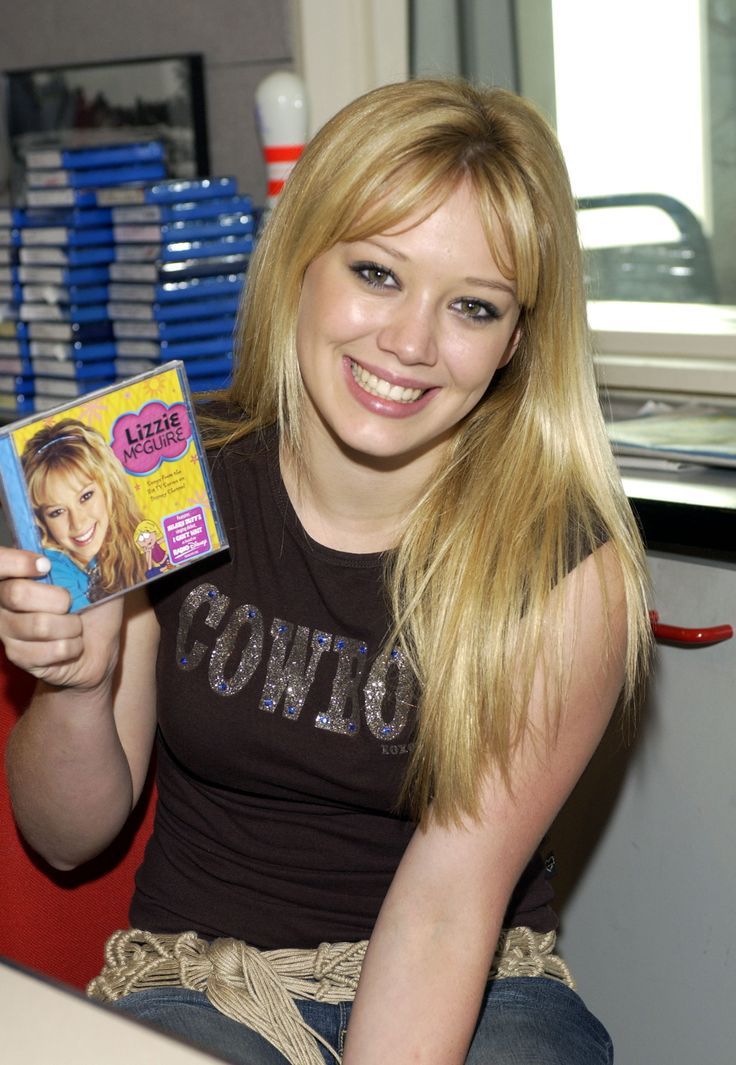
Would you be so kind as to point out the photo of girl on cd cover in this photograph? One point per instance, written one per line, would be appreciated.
(85, 509)
(113, 488)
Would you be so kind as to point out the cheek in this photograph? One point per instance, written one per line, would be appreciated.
(330, 317)
(55, 527)
(306, 327)
(479, 358)
(473, 367)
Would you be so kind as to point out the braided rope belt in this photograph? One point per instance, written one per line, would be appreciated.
(258, 988)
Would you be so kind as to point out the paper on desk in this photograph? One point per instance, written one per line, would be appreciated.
(648, 462)
(689, 434)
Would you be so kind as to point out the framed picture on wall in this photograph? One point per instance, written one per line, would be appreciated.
(161, 98)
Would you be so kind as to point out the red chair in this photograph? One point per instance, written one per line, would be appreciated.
(57, 923)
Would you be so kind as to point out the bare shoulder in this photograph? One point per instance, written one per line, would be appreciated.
(594, 607)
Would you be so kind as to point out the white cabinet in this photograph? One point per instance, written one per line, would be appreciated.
(647, 847)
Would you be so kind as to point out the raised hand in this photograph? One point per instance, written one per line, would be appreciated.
(42, 637)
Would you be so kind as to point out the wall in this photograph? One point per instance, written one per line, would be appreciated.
(647, 842)
(344, 48)
(241, 41)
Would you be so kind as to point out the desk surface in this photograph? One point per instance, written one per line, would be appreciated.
(695, 487)
(43, 1022)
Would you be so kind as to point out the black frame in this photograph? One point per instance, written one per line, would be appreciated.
(86, 104)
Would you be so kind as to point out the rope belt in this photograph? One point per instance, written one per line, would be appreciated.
(258, 988)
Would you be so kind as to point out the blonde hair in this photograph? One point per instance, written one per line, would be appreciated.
(529, 487)
(71, 446)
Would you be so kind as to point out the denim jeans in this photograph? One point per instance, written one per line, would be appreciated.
(524, 1020)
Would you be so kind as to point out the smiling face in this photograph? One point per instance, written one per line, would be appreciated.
(74, 511)
(400, 334)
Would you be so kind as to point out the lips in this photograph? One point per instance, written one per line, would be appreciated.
(378, 386)
(86, 538)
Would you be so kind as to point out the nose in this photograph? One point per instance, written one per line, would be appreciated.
(75, 519)
(410, 332)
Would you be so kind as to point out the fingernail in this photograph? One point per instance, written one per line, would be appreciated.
(43, 565)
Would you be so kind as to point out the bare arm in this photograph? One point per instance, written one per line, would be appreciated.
(430, 953)
(78, 757)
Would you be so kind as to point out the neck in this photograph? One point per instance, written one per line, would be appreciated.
(347, 503)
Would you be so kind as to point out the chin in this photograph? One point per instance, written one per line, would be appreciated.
(387, 455)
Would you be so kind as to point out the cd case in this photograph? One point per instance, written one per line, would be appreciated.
(113, 487)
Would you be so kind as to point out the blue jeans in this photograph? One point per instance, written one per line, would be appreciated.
(524, 1020)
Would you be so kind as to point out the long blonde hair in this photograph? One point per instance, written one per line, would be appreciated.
(529, 487)
(71, 446)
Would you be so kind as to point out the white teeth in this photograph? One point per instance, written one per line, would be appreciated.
(378, 387)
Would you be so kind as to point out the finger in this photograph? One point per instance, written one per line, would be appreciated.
(40, 626)
(39, 656)
(17, 563)
(20, 595)
(42, 643)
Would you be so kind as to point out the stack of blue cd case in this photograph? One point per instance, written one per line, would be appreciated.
(98, 283)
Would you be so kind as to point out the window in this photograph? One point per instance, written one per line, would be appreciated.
(642, 94)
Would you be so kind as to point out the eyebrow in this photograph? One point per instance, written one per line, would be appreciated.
(78, 492)
(503, 286)
(387, 249)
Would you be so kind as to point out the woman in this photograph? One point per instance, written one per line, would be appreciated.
(85, 509)
(371, 712)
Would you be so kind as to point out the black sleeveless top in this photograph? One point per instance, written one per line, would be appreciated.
(284, 732)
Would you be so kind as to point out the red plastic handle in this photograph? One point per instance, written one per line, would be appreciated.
(689, 637)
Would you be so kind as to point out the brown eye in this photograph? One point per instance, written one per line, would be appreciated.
(478, 310)
(375, 275)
